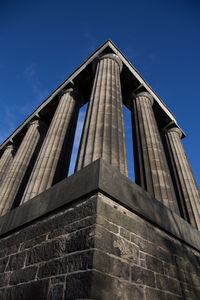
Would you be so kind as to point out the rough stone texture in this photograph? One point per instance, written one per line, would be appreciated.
(186, 187)
(54, 158)
(151, 169)
(96, 249)
(6, 160)
(21, 165)
(103, 134)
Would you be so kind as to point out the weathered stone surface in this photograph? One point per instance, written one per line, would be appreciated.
(33, 242)
(10, 248)
(142, 261)
(58, 280)
(124, 233)
(153, 294)
(68, 264)
(80, 240)
(142, 276)
(194, 295)
(23, 275)
(78, 224)
(120, 290)
(116, 245)
(46, 251)
(104, 222)
(100, 286)
(4, 279)
(56, 292)
(154, 264)
(110, 265)
(82, 281)
(3, 264)
(171, 270)
(168, 284)
(174, 297)
(16, 261)
(26, 291)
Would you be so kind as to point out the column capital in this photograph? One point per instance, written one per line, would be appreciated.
(108, 55)
(37, 122)
(11, 146)
(174, 129)
(142, 94)
(71, 91)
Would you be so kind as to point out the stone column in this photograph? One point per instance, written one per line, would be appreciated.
(54, 158)
(20, 164)
(103, 134)
(185, 183)
(151, 169)
(6, 159)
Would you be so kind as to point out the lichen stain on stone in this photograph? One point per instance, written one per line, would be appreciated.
(61, 246)
(125, 250)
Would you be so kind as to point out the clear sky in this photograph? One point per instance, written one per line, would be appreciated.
(43, 42)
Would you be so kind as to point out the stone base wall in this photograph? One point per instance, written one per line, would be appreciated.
(96, 249)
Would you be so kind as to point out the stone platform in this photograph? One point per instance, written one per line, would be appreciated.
(97, 235)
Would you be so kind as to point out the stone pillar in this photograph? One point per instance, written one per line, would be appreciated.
(12, 181)
(185, 183)
(103, 134)
(6, 160)
(54, 158)
(151, 169)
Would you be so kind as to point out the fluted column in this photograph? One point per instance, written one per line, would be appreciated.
(6, 160)
(20, 164)
(103, 134)
(185, 183)
(54, 158)
(151, 169)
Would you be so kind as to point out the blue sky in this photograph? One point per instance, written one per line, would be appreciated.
(43, 42)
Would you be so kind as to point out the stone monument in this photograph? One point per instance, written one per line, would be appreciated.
(97, 235)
